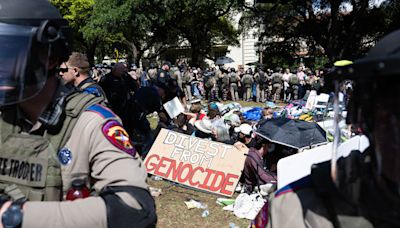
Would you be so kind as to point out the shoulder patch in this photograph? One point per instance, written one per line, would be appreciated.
(102, 111)
(117, 135)
(292, 187)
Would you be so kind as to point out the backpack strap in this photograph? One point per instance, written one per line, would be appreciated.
(75, 105)
(84, 86)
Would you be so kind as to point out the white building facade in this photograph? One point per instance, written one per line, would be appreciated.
(246, 52)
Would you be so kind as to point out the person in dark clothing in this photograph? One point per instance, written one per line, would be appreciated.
(146, 100)
(119, 88)
(163, 75)
(245, 132)
(181, 125)
(254, 173)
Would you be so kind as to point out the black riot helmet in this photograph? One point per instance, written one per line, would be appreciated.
(34, 39)
(375, 103)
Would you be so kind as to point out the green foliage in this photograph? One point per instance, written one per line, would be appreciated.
(75, 11)
(78, 12)
(204, 23)
(137, 26)
(324, 27)
(133, 25)
(391, 15)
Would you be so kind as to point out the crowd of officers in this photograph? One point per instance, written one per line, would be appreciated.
(224, 83)
(122, 88)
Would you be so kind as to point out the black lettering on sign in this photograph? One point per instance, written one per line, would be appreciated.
(15, 168)
(22, 170)
(4, 166)
(38, 172)
(11, 167)
(32, 171)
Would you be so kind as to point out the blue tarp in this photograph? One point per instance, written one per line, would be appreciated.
(253, 114)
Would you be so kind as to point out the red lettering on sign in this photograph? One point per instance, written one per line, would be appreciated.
(228, 183)
(161, 164)
(194, 171)
(152, 165)
(204, 184)
(215, 181)
(188, 175)
(215, 186)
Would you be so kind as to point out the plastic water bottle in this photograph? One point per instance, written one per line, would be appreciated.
(78, 190)
(157, 178)
(233, 225)
(205, 213)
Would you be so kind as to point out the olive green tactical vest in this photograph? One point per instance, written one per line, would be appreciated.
(29, 166)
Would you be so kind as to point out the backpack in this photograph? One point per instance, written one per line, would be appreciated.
(206, 81)
(257, 78)
(233, 78)
(209, 82)
(293, 79)
(276, 78)
(187, 78)
(247, 80)
(225, 80)
(263, 78)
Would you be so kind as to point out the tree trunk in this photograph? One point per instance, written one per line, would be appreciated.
(134, 52)
(90, 52)
(195, 55)
(138, 58)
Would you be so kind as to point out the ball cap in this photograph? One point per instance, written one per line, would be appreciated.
(245, 129)
(204, 125)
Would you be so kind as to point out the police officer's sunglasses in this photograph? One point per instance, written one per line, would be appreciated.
(63, 69)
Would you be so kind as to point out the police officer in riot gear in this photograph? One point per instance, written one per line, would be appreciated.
(50, 136)
(362, 189)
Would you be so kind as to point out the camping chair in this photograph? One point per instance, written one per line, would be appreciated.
(321, 103)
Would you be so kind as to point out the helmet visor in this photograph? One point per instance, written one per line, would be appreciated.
(23, 64)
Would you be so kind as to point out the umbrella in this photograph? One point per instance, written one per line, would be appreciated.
(253, 64)
(224, 60)
(292, 133)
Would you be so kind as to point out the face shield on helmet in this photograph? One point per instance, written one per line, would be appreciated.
(25, 58)
(375, 106)
(23, 64)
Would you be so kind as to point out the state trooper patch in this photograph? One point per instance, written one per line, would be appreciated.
(64, 156)
(117, 135)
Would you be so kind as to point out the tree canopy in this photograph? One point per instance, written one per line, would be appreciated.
(136, 27)
(78, 12)
(337, 29)
(204, 23)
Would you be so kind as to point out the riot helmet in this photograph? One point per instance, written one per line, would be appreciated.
(34, 40)
(375, 106)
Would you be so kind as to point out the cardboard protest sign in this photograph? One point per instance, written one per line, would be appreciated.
(174, 107)
(311, 100)
(199, 163)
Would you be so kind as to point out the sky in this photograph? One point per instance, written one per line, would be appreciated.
(348, 7)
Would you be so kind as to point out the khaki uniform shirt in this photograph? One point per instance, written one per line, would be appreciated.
(102, 164)
(290, 208)
(299, 205)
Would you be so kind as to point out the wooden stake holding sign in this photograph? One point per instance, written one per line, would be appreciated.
(199, 163)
